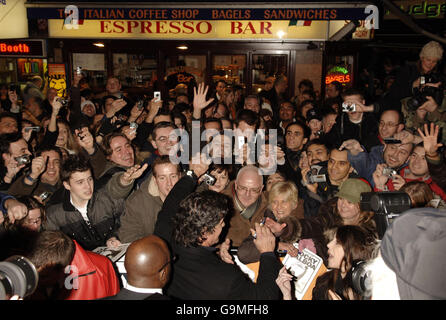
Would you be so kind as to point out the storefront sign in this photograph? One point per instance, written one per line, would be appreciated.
(22, 48)
(430, 9)
(191, 29)
(308, 13)
(30, 67)
(338, 73)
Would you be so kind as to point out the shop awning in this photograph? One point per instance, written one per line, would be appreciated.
(13, 21)
(287, 21)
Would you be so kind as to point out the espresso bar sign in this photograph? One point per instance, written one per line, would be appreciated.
(22, 48)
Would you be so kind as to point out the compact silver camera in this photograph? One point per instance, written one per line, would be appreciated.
(78, 70)
(63, 102)
(133, 125)
(140, 104)
(36, 129)
(23, 159)
(209, 179)
(389, 172)
(44, 195)
(313, 175)
(348, 107)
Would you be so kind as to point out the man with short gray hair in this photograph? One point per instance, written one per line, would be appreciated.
(249, 203)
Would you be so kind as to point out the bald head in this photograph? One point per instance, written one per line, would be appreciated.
(251, 172)
(249, 185)
(147, 263)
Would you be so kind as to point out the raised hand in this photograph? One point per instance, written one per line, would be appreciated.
(200, 101)
(154, 107)
(56, 105)
(117, 105)
(264, 240)
(16, 210)
(85, 139)
(379, 178)
(12, 95)
(132, 173)
(430, 138)
(38, 166)
(398, 181)
(351, 145)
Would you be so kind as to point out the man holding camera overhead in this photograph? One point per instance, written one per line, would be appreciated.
(357, 121)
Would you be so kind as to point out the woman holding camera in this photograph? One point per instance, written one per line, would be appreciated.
(342, 210)
(348, 246)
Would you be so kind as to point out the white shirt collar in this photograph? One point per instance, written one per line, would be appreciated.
(143, 290)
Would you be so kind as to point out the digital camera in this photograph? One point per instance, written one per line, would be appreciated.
(313, 175)
(389, 172)
(140, 104)
(420, 96)
(23, 159)
(348, 107)
(133, 125)
(63, 102)
(209, 179)
(44, 195)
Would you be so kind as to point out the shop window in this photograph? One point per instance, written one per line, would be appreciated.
(265, 66)
(8, 70)
(230, 68)
(184, 70)
(93, 67)
(135, 70)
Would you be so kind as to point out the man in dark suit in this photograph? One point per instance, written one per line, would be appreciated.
(198, 273)
(147, 262)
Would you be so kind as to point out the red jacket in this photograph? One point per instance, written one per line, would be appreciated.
(434, 187)
(96, 276)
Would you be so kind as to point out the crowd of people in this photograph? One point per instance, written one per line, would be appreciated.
(266, 174)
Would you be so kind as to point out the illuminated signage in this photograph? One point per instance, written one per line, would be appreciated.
(22, 48)
(338, 73)
(301, 13)
(190, 29)
(342, 78)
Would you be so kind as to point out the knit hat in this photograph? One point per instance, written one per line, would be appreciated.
(87, 102)
(413, 247)
(351, 190)
(432, 50)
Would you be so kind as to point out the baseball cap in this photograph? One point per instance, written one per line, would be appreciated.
(313, 114)
(351, 190)
(413, 247)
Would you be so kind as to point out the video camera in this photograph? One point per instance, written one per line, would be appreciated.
(386, 205)
(18, 276)
(421, 93)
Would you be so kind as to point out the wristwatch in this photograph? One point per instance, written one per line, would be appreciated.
(191, 174)
(30, 179)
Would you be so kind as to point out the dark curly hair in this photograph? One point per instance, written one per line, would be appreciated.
(199, 213)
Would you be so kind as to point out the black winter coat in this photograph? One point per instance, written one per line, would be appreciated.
(198, 273)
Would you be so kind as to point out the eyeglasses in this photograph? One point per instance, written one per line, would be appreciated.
(388, 124)
(173, 259)
(249, 190)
